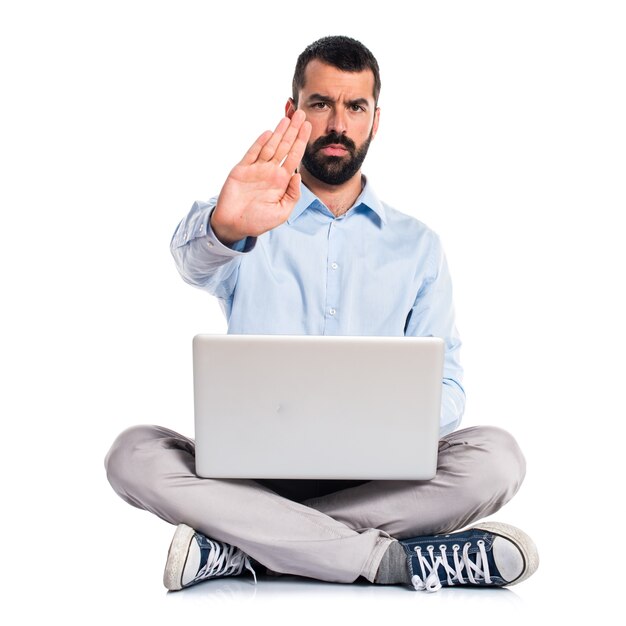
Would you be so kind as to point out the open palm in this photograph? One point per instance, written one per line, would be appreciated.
(262, 189)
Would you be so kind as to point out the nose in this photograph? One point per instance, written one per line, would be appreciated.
(337, 121)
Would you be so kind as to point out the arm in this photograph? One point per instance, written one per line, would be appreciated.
(432, 315)
(201, 258)
(258, 195)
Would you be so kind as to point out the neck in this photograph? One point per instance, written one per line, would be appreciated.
(338, 198)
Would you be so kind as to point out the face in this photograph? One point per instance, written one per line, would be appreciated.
(341, 108)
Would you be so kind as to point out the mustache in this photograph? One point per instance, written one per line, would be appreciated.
(335, 138)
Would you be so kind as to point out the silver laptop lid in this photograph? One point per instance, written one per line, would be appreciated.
(317, 407)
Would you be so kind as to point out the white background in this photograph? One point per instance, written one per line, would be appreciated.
(502, 128)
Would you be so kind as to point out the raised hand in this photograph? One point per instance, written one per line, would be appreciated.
(262, 189)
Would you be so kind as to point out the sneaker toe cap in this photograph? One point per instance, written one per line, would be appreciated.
(192, 565)
(508, 558)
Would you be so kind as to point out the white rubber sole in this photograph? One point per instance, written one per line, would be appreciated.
(177, 557)
(524, 543)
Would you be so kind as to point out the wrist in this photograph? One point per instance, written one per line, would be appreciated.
(223, 233)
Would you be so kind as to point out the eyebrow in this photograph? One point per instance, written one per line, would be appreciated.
(320, 96)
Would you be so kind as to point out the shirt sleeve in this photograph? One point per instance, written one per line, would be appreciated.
(432, 315)
(201, 258)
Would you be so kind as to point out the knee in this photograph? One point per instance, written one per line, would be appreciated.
(491, 461)
(505, 465)
(121, 462)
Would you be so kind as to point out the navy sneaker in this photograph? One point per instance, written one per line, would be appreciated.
(488, 555)
(192, 558)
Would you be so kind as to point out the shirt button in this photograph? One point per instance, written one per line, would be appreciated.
(334, 266)
(210, 243)
(332, 311)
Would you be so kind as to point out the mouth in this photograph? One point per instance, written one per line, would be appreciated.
(334, 149)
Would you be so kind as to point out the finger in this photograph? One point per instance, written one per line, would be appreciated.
(253, 153)
(292, 194)
(289, 137)
(297, 151)
(268, 150)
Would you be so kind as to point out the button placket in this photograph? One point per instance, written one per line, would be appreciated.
(333, 282)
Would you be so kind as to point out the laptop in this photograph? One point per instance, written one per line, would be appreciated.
(317, 407)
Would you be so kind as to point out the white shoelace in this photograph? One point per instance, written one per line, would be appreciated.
(224, 560)
(475, 572)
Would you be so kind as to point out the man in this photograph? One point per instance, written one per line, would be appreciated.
(297, 242)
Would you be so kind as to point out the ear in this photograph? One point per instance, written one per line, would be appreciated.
(290, 108)
(375, 123)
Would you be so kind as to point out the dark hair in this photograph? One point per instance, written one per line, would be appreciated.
(344, 53)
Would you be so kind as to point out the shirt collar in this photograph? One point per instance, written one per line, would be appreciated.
(367, 198)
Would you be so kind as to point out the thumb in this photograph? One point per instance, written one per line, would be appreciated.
(292, 194)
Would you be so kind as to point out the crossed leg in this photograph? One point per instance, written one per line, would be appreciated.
(335, 537)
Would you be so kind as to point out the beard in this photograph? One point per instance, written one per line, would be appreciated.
(335, 170)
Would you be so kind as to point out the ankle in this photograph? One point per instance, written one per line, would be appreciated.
(394, 566)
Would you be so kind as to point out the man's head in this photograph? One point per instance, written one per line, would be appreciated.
(337, 84)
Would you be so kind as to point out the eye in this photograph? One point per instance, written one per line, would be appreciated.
(318, 105)
(357, 107)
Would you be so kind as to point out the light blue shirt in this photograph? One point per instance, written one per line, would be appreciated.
(371, 271)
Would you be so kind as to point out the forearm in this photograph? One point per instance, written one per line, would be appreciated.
(201, 258)
(452, 406)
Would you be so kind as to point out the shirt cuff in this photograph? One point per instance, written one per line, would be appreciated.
(239, 247)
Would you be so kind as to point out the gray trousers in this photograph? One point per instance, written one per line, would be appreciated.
(329, 530)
